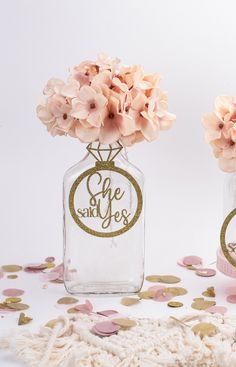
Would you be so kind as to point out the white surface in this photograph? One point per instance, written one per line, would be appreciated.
(192, 44)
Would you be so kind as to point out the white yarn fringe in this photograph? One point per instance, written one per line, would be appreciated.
(152, 343)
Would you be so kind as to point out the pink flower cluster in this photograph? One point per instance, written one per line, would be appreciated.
(220, 128)
(106, 101)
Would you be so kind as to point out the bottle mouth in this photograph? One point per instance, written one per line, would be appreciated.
(104, 153)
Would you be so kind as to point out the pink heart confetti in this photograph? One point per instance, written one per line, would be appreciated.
(206, 272)
(13, 292)
(87, 307)
(231, 298)
(35, 267)
(192, 260)
(217, 309)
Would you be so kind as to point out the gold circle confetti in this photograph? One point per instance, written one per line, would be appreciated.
(18, 306)
(175, 304)
(12, 276)
(128, 301)
(168, 279)
(51, 324)
(11, 268)
(146, 294)
(12, 300)
(124, 323)
(202, 304)
(67, 300)
(176, 291)
(153, 278)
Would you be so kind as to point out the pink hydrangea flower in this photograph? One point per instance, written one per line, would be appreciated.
(220, 132)
(106, 101)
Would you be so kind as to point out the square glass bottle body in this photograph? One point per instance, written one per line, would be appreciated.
(103, 224)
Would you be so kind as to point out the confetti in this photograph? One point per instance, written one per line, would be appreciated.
(217, 309)
(87, 307)
(210, 292)
(107, 313)
(105, 328)
(204, 329)
(156, 288)
(50, 259)
(1, 274)
(13, 292)
(169, 279)
(231, 298)
(146, 294)
(18, 306)
(51, 324)
(23, 320)
(11, 268)
(72, 310)
(176, 291)
(124, 323)
(12, 300)
(35, 268)
(206, 272)
(192, 260)
(175, 304)
(67, 300)
(153, 278)
(202, 304)
(47, 277)
(162, 296)
(12, 276)
(128, 301)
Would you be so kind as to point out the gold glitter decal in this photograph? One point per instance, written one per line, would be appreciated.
(227, 248)
(108, 193)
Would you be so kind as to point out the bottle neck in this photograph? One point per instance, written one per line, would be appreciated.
(105, 153)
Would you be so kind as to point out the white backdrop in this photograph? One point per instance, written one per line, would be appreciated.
(191, 43)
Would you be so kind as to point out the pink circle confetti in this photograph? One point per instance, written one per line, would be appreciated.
(231, 298)
(192, 260)
(13, 292)
(181, 263)
(217, 309)
(99, 333)
(230, 290)
(156, 288)
(107, 312)
(106, 327)
(206, 272)
(162, 296)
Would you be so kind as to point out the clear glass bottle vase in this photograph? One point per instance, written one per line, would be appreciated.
(103, 223)
(226, 260)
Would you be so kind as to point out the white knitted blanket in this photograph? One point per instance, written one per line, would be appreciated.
(152, 343)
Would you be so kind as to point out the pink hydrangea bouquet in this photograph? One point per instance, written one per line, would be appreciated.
(220, 127)
(106, 101)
